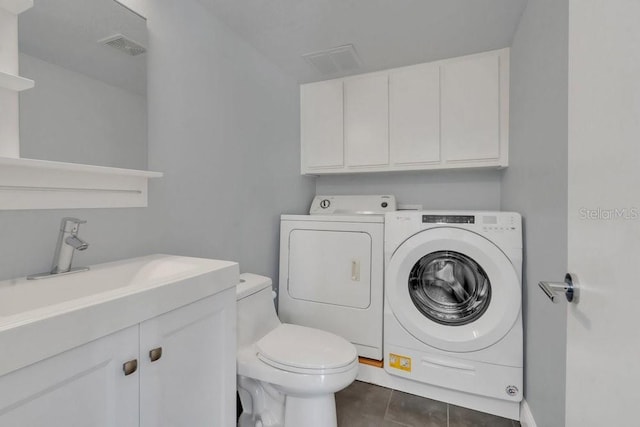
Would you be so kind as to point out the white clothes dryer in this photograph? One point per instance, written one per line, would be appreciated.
(453, 298)
(332, 268)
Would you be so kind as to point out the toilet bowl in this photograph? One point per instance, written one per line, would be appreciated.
(287, 374)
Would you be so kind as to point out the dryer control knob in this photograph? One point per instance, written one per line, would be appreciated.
(512, 390)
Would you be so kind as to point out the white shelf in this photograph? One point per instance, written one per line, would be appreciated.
(42, 184)
(16, 6)
(77, 167)
(13, 82)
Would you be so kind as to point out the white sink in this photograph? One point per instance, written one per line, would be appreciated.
(45, 317)
(22, 296)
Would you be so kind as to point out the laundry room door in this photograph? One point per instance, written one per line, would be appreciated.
(603, 336)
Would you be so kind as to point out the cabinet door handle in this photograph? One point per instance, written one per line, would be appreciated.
(130, 367)
(155, 354)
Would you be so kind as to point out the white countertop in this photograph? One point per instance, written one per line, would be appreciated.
(39, 319)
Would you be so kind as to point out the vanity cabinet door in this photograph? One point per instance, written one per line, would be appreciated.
(85, 386)
(188, 375)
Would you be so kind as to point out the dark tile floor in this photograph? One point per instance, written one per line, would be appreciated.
(368, 405)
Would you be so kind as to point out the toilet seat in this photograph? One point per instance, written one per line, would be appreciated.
(303, 350)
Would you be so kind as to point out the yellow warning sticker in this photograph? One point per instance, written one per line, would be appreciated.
(400, 362)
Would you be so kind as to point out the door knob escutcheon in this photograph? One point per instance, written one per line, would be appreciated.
(569, 287)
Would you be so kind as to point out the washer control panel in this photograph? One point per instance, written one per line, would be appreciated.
(505, 228)
(504, 222)
(448, 219)
(487, 222)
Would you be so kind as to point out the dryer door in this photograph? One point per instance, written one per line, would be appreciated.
(330, 267)
(453, 289)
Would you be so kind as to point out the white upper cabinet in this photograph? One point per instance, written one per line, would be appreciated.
(471, 109)
(366, 125)
(446, 114)
(321, 125)
(414, 115)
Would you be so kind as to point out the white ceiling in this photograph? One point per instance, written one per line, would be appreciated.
(385, 33)
(66, 33)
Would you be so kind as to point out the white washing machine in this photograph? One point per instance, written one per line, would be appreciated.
(331, 268)
(453, 298)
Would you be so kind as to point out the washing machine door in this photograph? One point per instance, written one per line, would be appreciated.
(453, 289)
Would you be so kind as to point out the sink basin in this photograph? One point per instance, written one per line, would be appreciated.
(42, 318)
(22, 296)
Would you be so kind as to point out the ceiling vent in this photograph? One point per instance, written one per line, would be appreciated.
(335, 60)
(123, 44)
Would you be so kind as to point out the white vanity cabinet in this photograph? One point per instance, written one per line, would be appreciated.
(156, 350)
(446, 114)
(183, 375)
(84, 386)
(193, 382)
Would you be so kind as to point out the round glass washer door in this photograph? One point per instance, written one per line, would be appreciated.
(453, 289)
(449, 288)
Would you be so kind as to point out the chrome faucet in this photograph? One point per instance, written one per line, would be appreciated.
(68, 243)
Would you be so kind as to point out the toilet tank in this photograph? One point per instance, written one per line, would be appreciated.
(255, 308)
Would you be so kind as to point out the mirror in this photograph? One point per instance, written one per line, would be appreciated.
(89, 105)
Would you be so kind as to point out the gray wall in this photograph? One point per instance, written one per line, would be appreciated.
(71, 117)
(459, 189)
(223, 126)
(28, 238)
(535, 184)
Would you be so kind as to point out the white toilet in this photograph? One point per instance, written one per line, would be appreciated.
(287, 374)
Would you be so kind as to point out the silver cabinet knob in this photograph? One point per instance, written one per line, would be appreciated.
(130, 367)
(569, 288)
(155, 354)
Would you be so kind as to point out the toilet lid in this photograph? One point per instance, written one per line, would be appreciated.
(305, 348)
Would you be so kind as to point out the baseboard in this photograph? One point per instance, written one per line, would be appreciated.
(526, 417)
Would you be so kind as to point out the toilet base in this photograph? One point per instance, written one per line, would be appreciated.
(316, 411)
(265, 406)
(262, 404)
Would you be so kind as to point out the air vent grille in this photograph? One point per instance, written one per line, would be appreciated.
(335, 60)
(124, 44)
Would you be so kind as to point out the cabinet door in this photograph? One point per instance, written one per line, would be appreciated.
(193, 382)
(321, 125)
(366, 125)
(471, 109)
(85, 386)
(414, 113)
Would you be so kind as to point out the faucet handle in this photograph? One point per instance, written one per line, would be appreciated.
(70, 224)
